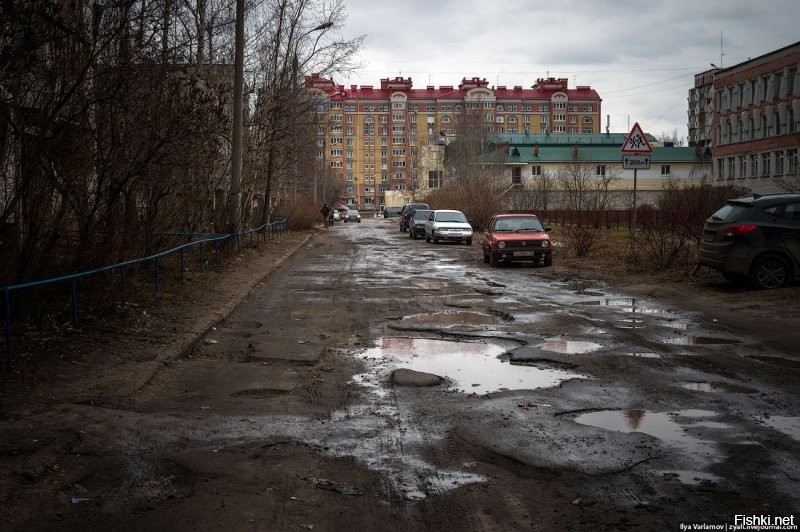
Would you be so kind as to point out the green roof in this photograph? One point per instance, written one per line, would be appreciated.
(542, 139)
(564, 154)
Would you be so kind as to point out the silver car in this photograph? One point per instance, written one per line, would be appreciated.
(448, 225)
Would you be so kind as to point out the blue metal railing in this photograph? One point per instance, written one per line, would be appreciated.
(267, 231)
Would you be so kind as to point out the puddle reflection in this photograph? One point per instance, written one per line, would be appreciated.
(569, 347)
(472, 367)
(661, 425)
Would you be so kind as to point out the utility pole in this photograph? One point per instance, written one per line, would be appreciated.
(235, 199)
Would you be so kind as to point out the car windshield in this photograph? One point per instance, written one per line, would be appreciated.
(351, 211)
(518, 224)
(421, 215)
(451, 217)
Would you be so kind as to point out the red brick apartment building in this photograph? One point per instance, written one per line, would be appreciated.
(372, 137)
(756, 126)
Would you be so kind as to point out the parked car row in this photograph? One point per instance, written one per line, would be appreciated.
(508, 237)
(754, 238)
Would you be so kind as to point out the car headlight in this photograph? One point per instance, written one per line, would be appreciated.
(501, 245)
(545, 243)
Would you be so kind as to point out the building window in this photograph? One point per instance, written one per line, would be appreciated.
(791, 162)
(765, 166)
(742, 166)
(731, 167)
(778, 163)
(600, 170)
(720, 168)
(754, 166)
(559, 129)
(665, 169)
(536, 170)
(543, 108)
(543, 119)
(559, 105)
(776, 117)
(398, 105)
(559, 118)
(434, 178)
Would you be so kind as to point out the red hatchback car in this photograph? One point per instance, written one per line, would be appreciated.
(517, 238)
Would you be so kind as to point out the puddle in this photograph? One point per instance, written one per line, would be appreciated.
(661, 425)
(569, 347)
(471, 367)
(788, 425)
(691, 478)
(699, 340)
(454, 318)
(643, 355)
(717, 386)
(777, 361)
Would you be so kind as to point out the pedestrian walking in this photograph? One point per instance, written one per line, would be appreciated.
(326, 212)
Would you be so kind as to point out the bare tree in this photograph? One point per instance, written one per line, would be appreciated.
(584, 185)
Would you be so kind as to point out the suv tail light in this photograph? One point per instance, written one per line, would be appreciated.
(736, 230)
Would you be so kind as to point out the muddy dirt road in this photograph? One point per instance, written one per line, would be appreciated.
(373, 382)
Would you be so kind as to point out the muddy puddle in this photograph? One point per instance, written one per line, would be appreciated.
(469, 367)
(569, 347)
(670, 427)
(788, 425)
(717, 387)
(699, 340)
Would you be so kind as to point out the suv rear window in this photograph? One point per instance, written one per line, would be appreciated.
(729, 212)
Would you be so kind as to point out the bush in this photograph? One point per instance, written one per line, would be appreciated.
(582, 239)
(301, 214)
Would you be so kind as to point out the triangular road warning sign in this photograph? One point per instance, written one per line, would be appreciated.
(636, 142)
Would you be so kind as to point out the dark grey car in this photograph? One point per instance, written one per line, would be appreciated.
(416, 222)
(755, 238)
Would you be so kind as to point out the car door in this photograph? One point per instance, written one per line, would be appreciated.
(788, 229)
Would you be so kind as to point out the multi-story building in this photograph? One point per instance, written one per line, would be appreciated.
(701, 109)
(756, 125)
(376, 138)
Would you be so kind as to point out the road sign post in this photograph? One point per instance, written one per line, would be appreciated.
(635, 154)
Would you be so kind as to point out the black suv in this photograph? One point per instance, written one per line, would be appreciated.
(406, 211)
(755, 238)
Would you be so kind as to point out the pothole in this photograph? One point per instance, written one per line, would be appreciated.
(787, 425)
(777, 361)
(260, 393)
(470, 367)
(717, 386)
(454, 318)
(699, 340)
(569, 347)
(662, 425)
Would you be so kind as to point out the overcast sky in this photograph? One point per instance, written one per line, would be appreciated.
(641, 57)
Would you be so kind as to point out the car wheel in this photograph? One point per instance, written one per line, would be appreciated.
(412, 235)
(493, 261)
(485, 256)
(435, 238)
(548, 260)
(427, 238)
(770, 271)
(468, 241)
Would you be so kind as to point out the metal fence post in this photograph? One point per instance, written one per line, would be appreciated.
(7, 315)
(122, 285)
(73, 289)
